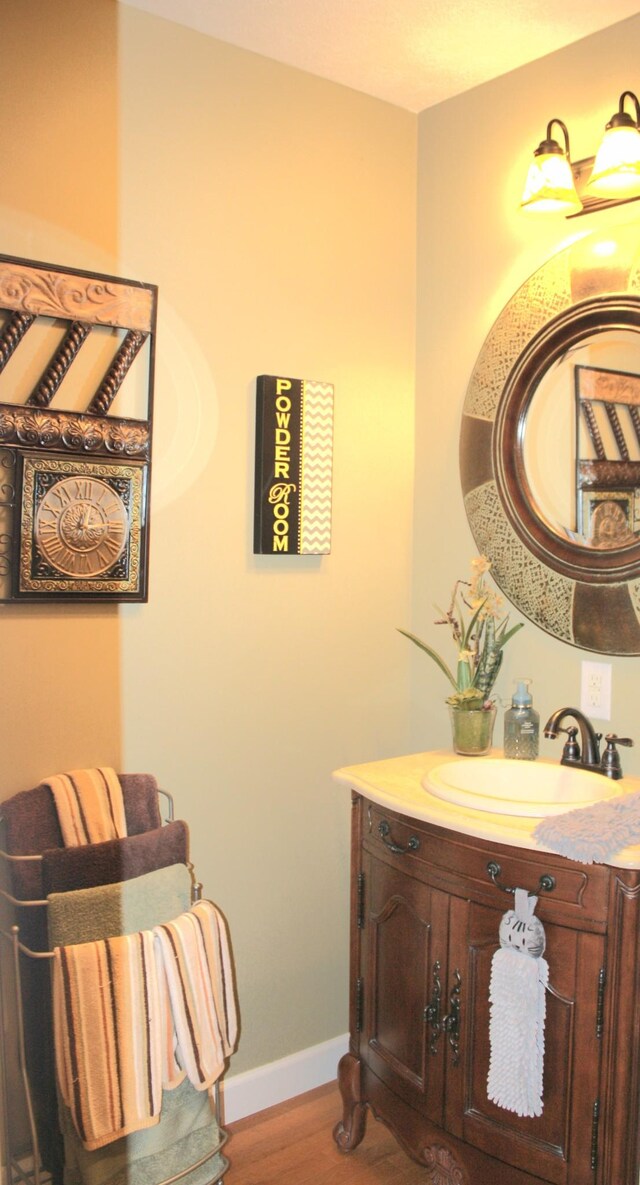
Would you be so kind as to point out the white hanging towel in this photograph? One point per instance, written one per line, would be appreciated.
(519, 977)
(193, 956)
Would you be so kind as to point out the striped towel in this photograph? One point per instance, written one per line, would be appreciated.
(90, 806)
(114, 1037)
(193, 953)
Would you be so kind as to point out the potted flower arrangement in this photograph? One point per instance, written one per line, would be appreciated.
(480, 631)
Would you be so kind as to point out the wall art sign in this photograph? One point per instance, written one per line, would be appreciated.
(76, 399)
(294, 456)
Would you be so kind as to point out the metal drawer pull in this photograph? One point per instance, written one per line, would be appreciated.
(385, 831)
(546, 884)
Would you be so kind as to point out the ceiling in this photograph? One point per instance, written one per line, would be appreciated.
(412, 53)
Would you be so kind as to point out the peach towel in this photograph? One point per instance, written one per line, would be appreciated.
(90, 805)
(114, 1040)
(133, 1014)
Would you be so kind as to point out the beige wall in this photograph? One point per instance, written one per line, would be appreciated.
(277, 214)
(60, 683)
(58, 187)
(474, 250)
(59, 132)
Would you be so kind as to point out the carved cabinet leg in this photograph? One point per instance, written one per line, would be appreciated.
(350, 1130)
(443, 1168)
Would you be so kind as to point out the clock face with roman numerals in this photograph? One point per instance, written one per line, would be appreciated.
(82, 529)
(81, 526)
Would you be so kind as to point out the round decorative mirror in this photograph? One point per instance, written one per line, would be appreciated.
(550, 445)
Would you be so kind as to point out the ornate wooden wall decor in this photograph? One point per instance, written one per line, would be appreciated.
(607, 469)
(294, 450)
(76, 403)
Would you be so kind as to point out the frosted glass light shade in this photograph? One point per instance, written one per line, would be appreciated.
(550, 187)
(616, 170)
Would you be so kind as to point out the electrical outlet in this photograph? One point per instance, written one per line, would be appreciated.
(595, 694)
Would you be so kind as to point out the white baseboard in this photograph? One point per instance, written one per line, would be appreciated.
(244, 1094)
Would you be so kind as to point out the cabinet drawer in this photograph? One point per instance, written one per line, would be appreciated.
(459, 864)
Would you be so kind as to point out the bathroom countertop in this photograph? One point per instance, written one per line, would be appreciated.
(396, 783)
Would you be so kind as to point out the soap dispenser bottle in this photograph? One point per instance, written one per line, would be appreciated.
(521, 724)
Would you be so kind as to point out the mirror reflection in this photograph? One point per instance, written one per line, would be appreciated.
(550, 444)
(580, 442)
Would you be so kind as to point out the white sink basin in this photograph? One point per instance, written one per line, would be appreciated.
(503, 787)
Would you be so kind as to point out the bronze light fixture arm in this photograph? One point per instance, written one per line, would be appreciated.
(622, 119)
(551, 145)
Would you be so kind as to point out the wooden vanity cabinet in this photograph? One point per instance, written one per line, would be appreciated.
(424, 916)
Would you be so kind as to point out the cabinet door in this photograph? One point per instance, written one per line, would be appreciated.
(403, 984)
(556, 1146)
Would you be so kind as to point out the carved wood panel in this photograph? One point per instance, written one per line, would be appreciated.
(403, 915)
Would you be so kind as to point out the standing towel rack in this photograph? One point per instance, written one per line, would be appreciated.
(24, 1166)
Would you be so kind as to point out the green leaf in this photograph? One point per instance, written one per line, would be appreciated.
(469, 630)
(503, 637)
(488, 670)
(464, 677)
(467, 701)
(432, 654)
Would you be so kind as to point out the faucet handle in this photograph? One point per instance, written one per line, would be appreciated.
(571, 750)
(610, 763)
(613, 739)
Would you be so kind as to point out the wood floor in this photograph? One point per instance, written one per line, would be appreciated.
(292, 1144)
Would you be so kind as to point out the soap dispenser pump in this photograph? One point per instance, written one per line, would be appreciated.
(521, 724)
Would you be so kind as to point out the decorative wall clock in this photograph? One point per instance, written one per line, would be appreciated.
(81, 526)
(74, 477)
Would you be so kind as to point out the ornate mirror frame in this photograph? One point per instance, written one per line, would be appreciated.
(584, 596)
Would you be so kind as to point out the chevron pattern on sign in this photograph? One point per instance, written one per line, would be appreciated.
(315, 468)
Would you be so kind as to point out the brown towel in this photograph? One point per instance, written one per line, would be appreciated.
(88, 866)
(89, 805)
(31, 826)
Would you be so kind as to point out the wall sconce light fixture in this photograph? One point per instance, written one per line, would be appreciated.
(555, 184)
(550, 187)
(616, 170)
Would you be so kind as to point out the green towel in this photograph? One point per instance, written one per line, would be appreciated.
(86, 915)
(187, 1130)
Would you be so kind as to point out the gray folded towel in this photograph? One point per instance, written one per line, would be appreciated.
(593, 834)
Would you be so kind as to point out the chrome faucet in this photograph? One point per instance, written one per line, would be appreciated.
(586, 754)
